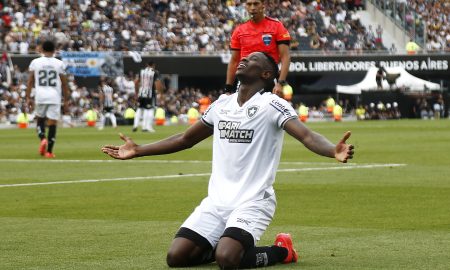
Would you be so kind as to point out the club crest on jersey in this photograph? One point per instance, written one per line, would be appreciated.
(267, 38)
(252, 110)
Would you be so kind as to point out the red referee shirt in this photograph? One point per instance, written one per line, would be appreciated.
(260, 37)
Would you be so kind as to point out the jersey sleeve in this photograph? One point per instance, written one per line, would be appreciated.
(282, 33)
(235, 44)
(32, 65)
(209, 116)
(62, 68)
(282, 111)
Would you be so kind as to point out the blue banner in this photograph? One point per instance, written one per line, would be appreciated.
(93, 64)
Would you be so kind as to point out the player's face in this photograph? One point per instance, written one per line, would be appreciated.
(251, 66)
(255, 8)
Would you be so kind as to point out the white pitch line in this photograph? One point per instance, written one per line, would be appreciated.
(152, 161)
(193, 175)
(368, 166)
(107, 180)
(102, 161)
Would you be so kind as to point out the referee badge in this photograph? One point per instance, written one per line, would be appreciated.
(251, 111)
(267, 38)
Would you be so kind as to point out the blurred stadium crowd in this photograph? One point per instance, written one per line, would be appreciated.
(152, 26)
(191, 26)
(425, 20)
(182, 26)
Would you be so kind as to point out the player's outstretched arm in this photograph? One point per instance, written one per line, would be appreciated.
(318, 143)
(193, 135)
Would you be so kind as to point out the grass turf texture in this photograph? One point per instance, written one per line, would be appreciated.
(361, 218)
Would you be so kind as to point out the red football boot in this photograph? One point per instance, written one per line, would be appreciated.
(285, 240)
(49, 155)
(43, 147)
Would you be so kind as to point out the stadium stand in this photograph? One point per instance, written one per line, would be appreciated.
(426, 22)
(152, 26)
(324, 26)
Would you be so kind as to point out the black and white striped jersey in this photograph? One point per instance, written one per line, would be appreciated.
(108, 92)
(148, 77)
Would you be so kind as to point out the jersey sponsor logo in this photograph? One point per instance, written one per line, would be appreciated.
(223, 111)
(241, 220)
(280, 107)
(262, 259)
(252, 110)
(238, 111)
(267, 38)
(229, 130)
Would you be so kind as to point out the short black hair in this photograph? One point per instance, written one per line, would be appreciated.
(270, 83)
(150, 63)
(273, 64)
(48, 46)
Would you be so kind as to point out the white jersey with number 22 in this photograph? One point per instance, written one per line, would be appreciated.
(47, 83)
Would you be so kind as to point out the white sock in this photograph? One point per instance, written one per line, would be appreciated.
(137, 117)
(148, 119)
(112, 117)
(102, 121)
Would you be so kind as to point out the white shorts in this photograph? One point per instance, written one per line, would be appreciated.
(51, 111)
(210, 221)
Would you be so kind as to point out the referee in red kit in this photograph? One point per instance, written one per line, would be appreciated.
(259, 34)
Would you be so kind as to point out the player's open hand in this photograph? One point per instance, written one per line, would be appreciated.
(125, 151)
(344, 151)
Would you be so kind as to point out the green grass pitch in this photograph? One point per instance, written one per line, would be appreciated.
(388, 209)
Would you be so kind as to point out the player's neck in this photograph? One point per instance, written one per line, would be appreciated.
(48, 54)
(246, 92)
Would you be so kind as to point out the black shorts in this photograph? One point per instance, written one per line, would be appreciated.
(108, 109)
(240, 235)
(194, 237)
(145, 103)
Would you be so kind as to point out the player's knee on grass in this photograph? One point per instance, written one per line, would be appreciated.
(229, 253)
(231, 247)
(188, 249)
(175, 259)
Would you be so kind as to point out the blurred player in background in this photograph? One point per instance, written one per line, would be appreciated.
(248, 137)
(149, 82)
(380, 76)
(47, 76)
(107, 102)
(263, 34)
